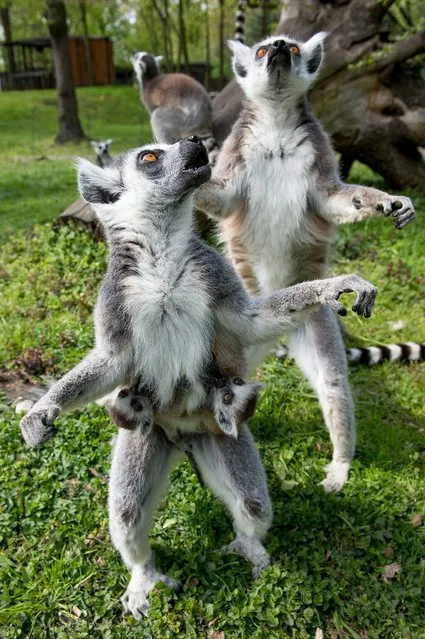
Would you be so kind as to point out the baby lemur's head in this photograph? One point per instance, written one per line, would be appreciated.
(145, 65)
(278, 65)
(152, 181)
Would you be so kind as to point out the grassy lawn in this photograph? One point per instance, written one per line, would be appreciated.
(59, 574)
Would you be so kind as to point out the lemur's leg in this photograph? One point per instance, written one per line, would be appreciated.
(319, 351)
(95, 376)
(139, 471)
(352, 203)
(233, 470)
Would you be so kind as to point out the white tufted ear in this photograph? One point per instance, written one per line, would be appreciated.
(158, 60)
(313, 51)
(241, 57)
(98, 185)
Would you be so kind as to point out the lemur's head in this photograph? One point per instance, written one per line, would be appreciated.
(101, 148)
(151, 180)
(277, 65)
(145, 65)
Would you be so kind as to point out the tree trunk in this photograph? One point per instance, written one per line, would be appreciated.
(182, 36)
(69, 124)
(207, 48)
(361, 96)
(221, 42)
(83, 14)
(7, 31)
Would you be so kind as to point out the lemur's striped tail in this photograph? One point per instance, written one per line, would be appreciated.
(240, 20)
(408, 352)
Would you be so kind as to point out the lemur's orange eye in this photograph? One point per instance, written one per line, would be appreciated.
(149, 157)
(261, 52)
(294, 50)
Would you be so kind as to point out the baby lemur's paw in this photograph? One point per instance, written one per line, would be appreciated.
(234, 403)
(398, 206)
(131, 411)
(37, 425)
(336, 286)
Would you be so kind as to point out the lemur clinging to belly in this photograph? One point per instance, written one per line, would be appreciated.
(169, 308)
(277, 193)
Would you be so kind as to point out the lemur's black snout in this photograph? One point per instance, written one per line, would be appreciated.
(279, 44)
(279, 50)
(195, 139)
(194, 152)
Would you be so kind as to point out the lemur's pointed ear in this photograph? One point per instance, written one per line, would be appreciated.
(313, 51)
(97, 185)
(108, 142)
(158, 60)
(93, 143)
(240, 55)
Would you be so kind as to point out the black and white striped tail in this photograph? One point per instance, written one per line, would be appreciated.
(408, 352)
(240, 20)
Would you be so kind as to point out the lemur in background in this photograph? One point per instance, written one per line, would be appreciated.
(169, 309)
(101, 149)
(240, 21)
(179, 105)
(277, 194)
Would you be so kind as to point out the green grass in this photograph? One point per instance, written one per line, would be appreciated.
(30, 162)
(329, 552)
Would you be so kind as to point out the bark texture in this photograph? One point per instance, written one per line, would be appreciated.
(69, 124)
(368, 98)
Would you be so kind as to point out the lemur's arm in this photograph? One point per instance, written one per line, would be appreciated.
(267, 317)
(352, 203)
(219, 197)
(95, 376)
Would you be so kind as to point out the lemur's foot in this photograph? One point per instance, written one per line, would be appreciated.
(251, 549)
(336, 286)
(135, 599)
(398, 206)
(336, 476)
(234, 403)
(131, 411)
(37, 426)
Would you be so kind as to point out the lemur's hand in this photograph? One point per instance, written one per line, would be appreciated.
(37, 425)
(334, 287)
(399, 207)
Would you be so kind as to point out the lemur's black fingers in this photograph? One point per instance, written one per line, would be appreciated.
(337, 307)
(402, 220)
(358, 306)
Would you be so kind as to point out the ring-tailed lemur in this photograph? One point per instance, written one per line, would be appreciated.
(167, 307)
(277, 192)
(240, 21)
(179, 104)
(101, 149)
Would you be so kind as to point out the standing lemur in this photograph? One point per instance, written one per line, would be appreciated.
(179, 105)
(170, 312)
(278, 195)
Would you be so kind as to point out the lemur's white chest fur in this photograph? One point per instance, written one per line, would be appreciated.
(278, 176)
(171, 320)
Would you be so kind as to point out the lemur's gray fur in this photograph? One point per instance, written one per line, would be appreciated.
(168, 306)
(278, 195)
(179, 105)
(101, 148)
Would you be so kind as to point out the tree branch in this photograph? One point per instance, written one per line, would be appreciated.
(400, 51)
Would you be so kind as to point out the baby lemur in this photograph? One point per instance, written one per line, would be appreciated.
(171, 312)
(277, 193)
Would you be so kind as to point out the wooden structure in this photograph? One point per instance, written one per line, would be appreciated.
(30, 65)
